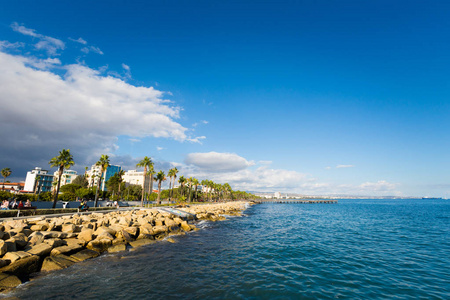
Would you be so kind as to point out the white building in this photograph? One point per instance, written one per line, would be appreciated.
(68, 176)
(94, 174)
(137, 177)
(277, 195)
(44, 184)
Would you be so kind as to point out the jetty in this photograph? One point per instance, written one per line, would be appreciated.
(297, 201)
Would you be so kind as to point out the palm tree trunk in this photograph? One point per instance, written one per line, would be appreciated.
(96, 192)
(159, 193)
(150, 187)
(55, 198)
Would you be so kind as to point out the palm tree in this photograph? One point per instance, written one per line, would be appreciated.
(63, 161)
(146, 163)
(36, 183)
(172, 175)
(195, 183)
(103, 163)
(160, 177)
(189, 184)
(120, 174)
(182, 181)
(5, 173)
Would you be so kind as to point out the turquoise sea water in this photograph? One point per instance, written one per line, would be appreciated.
(356, 249)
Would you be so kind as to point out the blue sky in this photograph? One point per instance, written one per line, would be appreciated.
(313, 97)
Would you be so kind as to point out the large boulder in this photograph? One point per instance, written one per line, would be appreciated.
(141, 242)
(69, 228)
(84, 254)
(99, 245)
(117, 248)
(20, 239)
(52, 263)
(41, 249)
(69, 249)
(3, 247)
(8, 282)
(39, 227)
(133, 231)
(86, 235)
(36, 238)
(22, 268)
(55, 242)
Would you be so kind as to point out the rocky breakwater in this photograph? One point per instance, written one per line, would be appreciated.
(44, 244)
(217, 211)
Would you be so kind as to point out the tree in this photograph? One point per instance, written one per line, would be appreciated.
(104, 164)
(195, 183)
(63, 161)
(81, 180)
(146, 163)
(182, 181)
(160, 177)
(120, 175)
(172, 174)
(5, 173)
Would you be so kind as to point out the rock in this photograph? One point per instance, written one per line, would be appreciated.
(73, 241)
(54, 242)
(8, 282)
(21, 240)
(159, 222)
(41, 249)
(105, 235)
(142, 242)
(69, 249)
(169, 222)
(52, 263)
(68, 228)
(125, 221)
(14, 256)
(99, 245)
(159, 229)
(117, 248)
(11, 245)
(55, 234)
(102, 229)
(146, 229)
(125, 235)
(185, 226)
(84, 254)
(36, 238)
(3, 247)
(86, 235)
(23, 267)
(171, 240)
(39, 227)
(145, 236)
(4, 262)
(133, 231)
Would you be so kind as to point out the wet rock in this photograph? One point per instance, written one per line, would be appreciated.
(52, 263)
(84, 254)
(117, 248)
(69, 249)
(142, 242)
(41, 249)
(23, 267)
(14, 256)
(8, 282)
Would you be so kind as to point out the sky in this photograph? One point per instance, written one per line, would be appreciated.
(309, 97)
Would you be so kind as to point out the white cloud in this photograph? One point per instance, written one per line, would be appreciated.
(328, 168)
(80, 109)
(379, 186)
(79, 40)
(197, 139)
(49, 44)
(159, 148)
(8, 45)
(126, 67)
(344, 166)
(217, 162)
(92, 49)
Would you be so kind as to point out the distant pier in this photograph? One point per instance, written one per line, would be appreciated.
(297, 201)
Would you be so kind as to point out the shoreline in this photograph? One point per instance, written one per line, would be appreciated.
(43, 244)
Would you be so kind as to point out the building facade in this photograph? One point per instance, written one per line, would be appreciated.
(38, 180)
(68, 176)
(94, 174)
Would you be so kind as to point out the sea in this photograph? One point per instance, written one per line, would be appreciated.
(355, 249)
